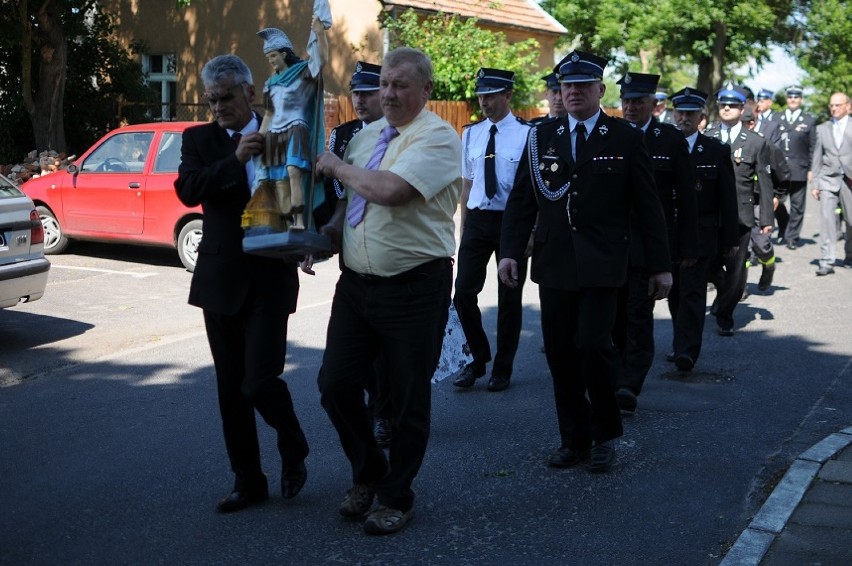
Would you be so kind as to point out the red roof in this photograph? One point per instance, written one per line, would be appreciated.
(524, 14)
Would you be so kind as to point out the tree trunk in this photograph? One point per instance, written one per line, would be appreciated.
(45, 105)
(711, 69)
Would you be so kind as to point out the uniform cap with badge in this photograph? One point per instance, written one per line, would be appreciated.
(491, 81)
(638, 85)
(765, 94)
(366, 77)
(795, 90)
(661, 95)
(552, 81)
(687, 99)
(580, 67)
(730, 94)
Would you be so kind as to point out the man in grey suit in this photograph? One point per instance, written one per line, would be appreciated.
(832, 180)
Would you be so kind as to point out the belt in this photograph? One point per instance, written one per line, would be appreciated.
(421, 271)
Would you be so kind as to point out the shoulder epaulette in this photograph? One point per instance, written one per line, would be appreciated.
(473, 123)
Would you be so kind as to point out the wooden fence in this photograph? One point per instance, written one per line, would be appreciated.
(338, 109)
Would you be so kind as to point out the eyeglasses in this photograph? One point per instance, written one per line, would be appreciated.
(730, 105)
(213, 99)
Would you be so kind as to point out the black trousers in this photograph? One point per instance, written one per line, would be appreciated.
(249, 349)
(401, 319)
(730, 283)
(480, 241)
(790, 223)
(577, 331)
(688, 305)
(633, 331)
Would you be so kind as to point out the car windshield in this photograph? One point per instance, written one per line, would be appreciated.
(123, 153)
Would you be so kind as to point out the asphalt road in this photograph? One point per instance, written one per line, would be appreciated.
(111, 448)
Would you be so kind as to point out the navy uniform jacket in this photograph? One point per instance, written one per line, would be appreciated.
(716, 195)
(211, 175)
(675, 183)
(770, 128)
(797, 142)
(338, 141)
(582, 237)
(751, 157)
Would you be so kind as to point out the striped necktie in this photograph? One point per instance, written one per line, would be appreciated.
(355, 212)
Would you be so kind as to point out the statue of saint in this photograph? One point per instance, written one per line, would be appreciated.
(292, 125)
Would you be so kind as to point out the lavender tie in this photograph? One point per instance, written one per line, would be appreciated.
(355, 212)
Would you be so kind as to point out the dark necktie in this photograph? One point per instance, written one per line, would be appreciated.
(355, 212)
(580, 128)
(235, 137)
(490, 168)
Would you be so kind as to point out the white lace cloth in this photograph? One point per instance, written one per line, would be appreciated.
(455, 353)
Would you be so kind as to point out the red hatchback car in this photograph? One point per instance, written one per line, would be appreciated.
(121, 190)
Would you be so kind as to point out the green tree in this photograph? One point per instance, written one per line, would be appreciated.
(825, 51)
(63, 72)
(458, 48)
(664, 35)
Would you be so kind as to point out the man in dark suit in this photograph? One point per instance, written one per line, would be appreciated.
(766, 121)
(583, 177)
(246, 299)
(798, 139)
(633, 333)
(661, 111)
(750, 155)
(716, 196)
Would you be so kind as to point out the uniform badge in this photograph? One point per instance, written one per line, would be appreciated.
(768, 169)
(551, 152)
(603, 129)
(575, 57)
(358, 67)
(554, 167)
(560, 130)
(698, 186)
(738, 156)
(628, 79)
(699, 148)
(657, 132)
(541, 166)
(481, 73)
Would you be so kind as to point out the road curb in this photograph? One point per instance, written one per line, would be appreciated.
(754, 542)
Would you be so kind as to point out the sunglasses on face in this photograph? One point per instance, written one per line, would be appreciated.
(730, 105)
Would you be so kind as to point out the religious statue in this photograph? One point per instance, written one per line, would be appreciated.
(294, 131)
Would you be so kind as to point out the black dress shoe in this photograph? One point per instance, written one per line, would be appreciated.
(824, 271)
(684, 362)
(468, 376)
(792, 244)
(498, 383)
(382, 432)
(567, 457)
(602, 457)
(670, 357)
(724, 331)
(240, 499)
(626, 400)
(293, 478)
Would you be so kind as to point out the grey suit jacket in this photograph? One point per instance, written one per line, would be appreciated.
(830, 163)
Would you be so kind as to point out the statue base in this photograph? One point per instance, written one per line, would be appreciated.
(259, 241)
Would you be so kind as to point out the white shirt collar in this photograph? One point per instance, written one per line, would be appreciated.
(589, 122)
(504, 122)
(792, 115)
(734, 130)
(251, 127)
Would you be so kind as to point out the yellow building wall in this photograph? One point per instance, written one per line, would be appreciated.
(213, 27)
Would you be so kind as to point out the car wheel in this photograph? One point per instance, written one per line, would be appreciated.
(187, 244)
(55, 241)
